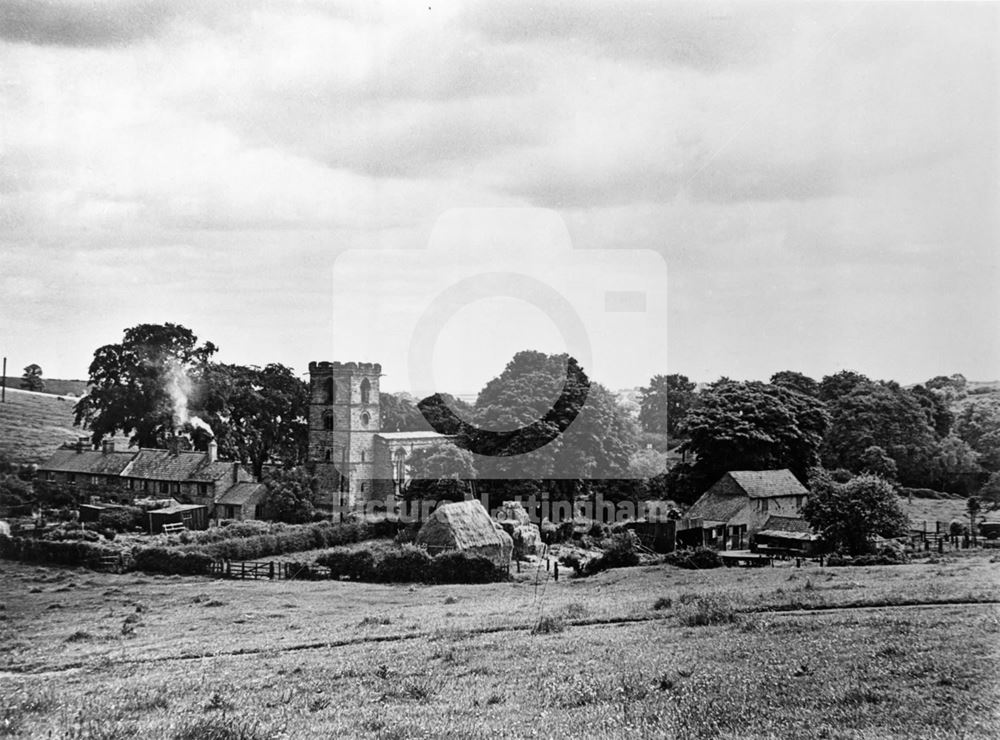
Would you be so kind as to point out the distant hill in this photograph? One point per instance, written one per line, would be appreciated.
(54, 386)
(32, 425)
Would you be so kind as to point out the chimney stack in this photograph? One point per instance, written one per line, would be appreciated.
(107, 446)
(213, 451)
(83, 443)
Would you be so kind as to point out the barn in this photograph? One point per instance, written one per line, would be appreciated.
(468, 527)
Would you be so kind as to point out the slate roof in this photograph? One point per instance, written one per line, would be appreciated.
(716, 507)
(88, 462)
(787, 524)
(768, 483)
(242, 493)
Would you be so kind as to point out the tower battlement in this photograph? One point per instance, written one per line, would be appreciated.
(341, 367)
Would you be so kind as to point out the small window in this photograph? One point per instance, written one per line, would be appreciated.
(95, 480)
(163, 487)
(362, 456)
(177, 487)
(145, 485)
(329, 455)
(365, 418)
(71, 478)
(202, 489)
(328, 422)
(362, 488)
(50, 476)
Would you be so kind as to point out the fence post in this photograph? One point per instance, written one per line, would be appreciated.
(270, 570)
(555, 570)
(229, 569)
(518, 565)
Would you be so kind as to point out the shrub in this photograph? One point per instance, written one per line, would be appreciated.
(172, 560)
(700, 558)
(408, 564)
(122, 520)
(342, 562)
(548, 624)
(459, 567)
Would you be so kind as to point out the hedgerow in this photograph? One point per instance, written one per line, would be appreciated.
(409, 564)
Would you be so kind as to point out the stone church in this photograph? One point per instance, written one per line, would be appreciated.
(352, 456)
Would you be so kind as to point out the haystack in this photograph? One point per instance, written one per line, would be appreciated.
(468, 527)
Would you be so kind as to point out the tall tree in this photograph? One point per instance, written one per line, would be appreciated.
(796, 381)
(290, 496)
(32, 378)
(849, 515)
(955, 467)
(840, 384)
(885, 415)
(752, 426)
(399, 414)
(937, 408)
(140, 386)
(440, 473)
(258, 415)
(977, 422)
(664, 403)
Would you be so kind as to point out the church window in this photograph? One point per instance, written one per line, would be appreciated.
(365, 418)
(366, 390)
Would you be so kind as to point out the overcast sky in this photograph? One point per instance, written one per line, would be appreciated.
(821, 182)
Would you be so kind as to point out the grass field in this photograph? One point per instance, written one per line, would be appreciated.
(641, 652)
(32, 425)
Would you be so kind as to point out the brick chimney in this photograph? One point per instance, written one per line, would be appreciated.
(107, 446)
(213, 451)
(83, 443)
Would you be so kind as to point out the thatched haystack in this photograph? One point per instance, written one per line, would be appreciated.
(468, 527)
(514, 513)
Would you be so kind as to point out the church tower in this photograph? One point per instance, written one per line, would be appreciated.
(344, 417)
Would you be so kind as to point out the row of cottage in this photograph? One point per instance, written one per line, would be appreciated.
(226, 489)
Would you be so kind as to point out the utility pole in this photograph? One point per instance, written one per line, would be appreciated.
(3, 383)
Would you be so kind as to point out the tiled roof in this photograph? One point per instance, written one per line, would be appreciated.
(787, 524)
(213, 471)
(716, 507)
(242, 493)
(768, 483)
(89, 462)
(164, 465)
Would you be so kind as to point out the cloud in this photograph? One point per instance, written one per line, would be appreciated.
(83, 24)
(684, 34)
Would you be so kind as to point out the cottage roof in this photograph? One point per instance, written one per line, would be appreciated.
(787, 524)
(174, 508)
(90, 462)
(768, 483)
(243, 493)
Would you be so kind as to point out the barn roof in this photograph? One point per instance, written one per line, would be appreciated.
(768, 483)
(242, 493)
(90, 462)
(717, 507)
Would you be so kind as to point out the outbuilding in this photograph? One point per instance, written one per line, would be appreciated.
(192, 516)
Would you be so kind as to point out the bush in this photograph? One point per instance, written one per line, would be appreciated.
(619, 552)
(172, 560)
(126, 519)
(459, 567)
(342, 562)
(701, 558)
(408, 564)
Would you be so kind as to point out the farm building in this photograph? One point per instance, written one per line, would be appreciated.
(738, 505)
(468, 527)
(241, 501)
(192, 516)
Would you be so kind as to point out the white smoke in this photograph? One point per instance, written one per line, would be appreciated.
(178, 387)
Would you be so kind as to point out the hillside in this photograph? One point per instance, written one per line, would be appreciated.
(55, 386)
(32, 425)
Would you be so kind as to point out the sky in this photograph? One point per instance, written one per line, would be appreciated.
(711, 189)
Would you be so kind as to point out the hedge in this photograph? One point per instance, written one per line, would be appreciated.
(59, 552)
(172, 561)
(409, 564)
(700, 558)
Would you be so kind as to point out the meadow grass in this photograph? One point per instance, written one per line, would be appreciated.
(652, 651)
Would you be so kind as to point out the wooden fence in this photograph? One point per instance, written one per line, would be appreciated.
(272, 570)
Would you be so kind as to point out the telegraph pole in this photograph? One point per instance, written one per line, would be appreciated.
(3, 383)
